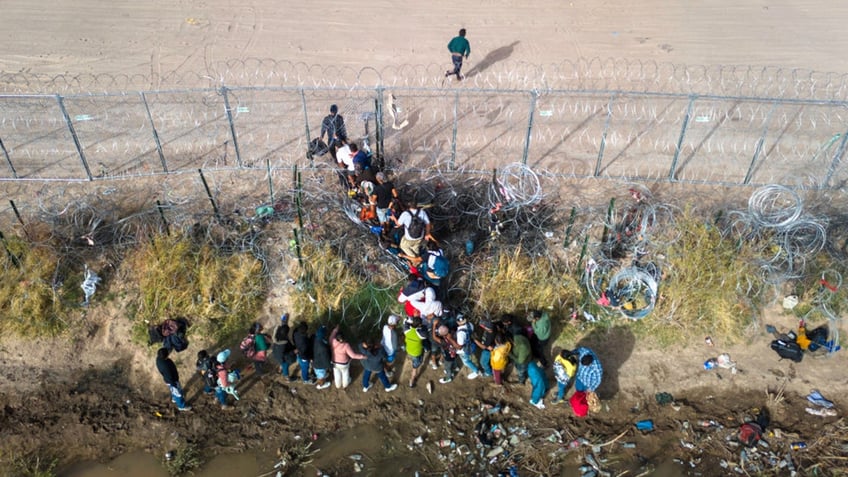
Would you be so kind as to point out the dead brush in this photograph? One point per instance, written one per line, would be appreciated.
(39, 296)
(709, 286)
(514, 282)
(775, 397)
(172, 276)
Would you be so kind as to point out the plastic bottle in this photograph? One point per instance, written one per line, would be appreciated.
(446, 443)
(710, 364)
(798, 445)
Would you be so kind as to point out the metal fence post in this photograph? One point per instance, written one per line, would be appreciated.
(209, 195)
(604, 137)
(379, 124)
(759, 147)
(8, 159)
(534, 95)
(672, 172)
(224, 90)
(306, 123)
(837, 158)
(61, 102)
(270, 181)
(455, 127)
(155, 132)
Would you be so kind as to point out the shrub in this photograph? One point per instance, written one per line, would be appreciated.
(175, 277)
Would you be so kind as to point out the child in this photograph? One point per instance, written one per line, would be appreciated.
(500, 357)
(565, 365)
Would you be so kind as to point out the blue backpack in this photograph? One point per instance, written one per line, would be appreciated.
(441, 266)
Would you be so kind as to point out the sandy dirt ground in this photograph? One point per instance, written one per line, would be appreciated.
(99, 394)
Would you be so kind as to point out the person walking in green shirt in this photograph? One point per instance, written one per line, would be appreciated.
(541, 323)
(458, 48)
(520, 356)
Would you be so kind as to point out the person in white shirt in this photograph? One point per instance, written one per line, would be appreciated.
(390, 341)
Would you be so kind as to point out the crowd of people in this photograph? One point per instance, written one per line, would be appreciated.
(429, 330)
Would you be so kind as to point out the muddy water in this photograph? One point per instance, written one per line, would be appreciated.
(141, 464)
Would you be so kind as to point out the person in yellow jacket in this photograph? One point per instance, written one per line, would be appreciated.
(500, 357)
(565, 367)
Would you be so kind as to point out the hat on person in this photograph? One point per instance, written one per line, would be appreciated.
(486, 324)
(393, 320)
(460, 318)
(443, 330)
(380, 176)
(284, 318)
(223, 355)
(334, 109)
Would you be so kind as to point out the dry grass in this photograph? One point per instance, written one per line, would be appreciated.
(709, 287)
(38, 295)
(175, 277)
(512, 282)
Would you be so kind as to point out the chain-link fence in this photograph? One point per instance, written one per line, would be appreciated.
(634, 136)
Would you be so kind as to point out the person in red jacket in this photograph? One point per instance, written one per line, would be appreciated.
(342, 354)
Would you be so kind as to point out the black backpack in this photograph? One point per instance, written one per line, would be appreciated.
(207, 369)
(417, 226)
(787, 349)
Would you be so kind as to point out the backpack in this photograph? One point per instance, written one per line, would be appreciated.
(248, 346)
(208, 371)
(317, 147)
(176, 342)
(441, 266)
(417, 226)
(787, 349)
(414, 286)
(469, 346)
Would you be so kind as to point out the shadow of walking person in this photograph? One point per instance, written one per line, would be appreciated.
(491, 58)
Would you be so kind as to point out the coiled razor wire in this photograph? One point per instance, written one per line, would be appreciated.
(632, 291)
(516, 186)
(774, 206)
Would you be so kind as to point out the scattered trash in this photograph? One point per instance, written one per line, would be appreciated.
(89, 284)
(821, 412)
(710, 363)
(816, 398)
(798, 445)
(664, 398)
(418, 440)
(790, 302)
(708, 341)
(628, 445)
(645, 425)
(430, 387)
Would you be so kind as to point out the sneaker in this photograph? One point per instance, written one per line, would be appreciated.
(411, 383)
(324, 386)
(292, 379)
(445, 380)
(539, 405)
(391, 388)
(185, 408)
(473, 375)
(488, 375)
(557, 401)
(365, 388)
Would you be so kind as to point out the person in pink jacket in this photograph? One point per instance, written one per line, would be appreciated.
(342, 354)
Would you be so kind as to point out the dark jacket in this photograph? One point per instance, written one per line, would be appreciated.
(302, 344)
(321, 355)
(374, 358)
(168, 370)
(334, 125)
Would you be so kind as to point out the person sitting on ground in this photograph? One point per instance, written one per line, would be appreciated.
(565, 366)
(520, 356)
(449, 347)
(415, 335)
(466, 346)
(374, 362)
(500, 357)
(333, 126)
(321, 358)
(416, 228)
(281, 347)
(169, 373)
(486, 343)
(342, 354)
(539, 383)
(751, 432)
(389, 342)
